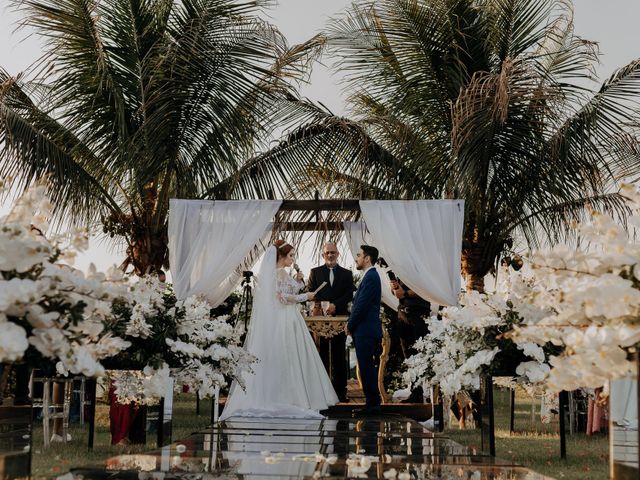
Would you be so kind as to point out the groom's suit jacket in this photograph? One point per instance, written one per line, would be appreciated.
(364, 320)
(340, 293)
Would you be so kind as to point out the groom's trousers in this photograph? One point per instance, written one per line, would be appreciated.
(366, 353)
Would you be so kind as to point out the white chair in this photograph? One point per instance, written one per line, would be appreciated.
(50, 410)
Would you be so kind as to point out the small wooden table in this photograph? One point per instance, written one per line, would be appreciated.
(327, 327)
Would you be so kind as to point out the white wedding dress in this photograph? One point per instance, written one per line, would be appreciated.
(289, 379)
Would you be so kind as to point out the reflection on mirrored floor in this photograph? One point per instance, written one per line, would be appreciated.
(384, 447)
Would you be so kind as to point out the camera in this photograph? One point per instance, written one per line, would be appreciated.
(390, 274)
(247, 274)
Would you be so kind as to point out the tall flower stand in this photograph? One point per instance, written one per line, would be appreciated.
(215, 405)
(165, 415)
(563, 403)
(486, 416)
(91, 387)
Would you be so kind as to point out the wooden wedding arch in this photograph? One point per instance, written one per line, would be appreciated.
(330, 326)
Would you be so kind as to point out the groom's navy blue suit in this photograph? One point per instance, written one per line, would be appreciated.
(366, 329)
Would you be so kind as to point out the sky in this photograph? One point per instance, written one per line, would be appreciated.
(611, 23)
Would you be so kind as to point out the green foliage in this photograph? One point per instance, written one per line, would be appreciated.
(153, 350)
(484, 100)
(228, 306)
(133, 103)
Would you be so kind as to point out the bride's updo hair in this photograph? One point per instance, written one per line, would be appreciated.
(283, 248)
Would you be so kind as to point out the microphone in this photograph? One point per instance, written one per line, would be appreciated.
(296, 268)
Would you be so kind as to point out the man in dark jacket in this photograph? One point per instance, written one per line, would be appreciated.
(338, 292)
(365, 327)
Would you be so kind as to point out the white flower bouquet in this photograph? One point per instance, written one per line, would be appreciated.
(469, 341)
(202, 352)
(52, 316)
(208, 349)
(592, 303)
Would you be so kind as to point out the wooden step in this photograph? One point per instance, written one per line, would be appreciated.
(416, 411)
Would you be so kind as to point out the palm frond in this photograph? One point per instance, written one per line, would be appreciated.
(36, 146)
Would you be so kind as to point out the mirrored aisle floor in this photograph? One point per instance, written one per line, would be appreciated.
(384, 447)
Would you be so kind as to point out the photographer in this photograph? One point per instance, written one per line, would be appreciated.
(412, 313)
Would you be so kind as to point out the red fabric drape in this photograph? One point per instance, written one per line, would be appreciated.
(126, 421)
(596, 414)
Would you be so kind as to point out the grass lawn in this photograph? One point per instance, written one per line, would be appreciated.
(59, 458)
(537, 446)
(534, 444)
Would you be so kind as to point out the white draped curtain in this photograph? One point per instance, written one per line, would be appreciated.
(209, 241)
(421, 240)
(357, 235)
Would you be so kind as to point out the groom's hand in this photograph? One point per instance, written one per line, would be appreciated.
(331, 310)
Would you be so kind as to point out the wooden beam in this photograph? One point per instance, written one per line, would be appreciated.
(326, 205)
(310, 226)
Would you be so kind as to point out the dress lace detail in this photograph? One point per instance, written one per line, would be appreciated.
(287, 288)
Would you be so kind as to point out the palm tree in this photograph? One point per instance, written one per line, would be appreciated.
(485, 100)
(137, 101)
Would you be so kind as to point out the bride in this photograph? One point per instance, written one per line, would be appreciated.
(289, 379)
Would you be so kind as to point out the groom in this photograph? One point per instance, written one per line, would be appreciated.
(365, 327)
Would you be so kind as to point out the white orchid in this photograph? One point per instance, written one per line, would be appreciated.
(458, 348)
(210, 349)
(207, 349)
(593, 303)
(63, 310)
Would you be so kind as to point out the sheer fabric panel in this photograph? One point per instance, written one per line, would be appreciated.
(357, 235)
(210, 241)
(422, 242)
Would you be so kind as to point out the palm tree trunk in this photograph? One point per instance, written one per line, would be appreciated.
(149, 252)
(475, 282)
(474, 265)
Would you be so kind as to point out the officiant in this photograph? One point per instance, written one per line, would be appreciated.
(338, 292)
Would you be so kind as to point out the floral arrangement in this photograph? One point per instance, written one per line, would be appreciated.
(50, 313)
(575, 318)
(172, 338)
(592, 301)
(63, 321)
(208, 349)
(143, 387)
(469, 341)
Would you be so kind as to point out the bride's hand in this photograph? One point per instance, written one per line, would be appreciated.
(311, 296)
